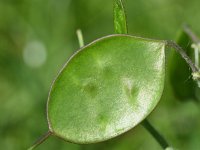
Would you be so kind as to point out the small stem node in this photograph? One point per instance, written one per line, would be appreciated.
(196, 76)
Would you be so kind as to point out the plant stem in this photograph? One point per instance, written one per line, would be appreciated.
(40, 140)
(80, 37)
(158, 137)
(183, 55)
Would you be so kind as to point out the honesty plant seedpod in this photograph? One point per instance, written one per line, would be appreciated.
(109, 86)
(106, 88)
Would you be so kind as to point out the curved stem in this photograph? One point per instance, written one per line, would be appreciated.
(40, 140)
(183, 55)
(158, 137)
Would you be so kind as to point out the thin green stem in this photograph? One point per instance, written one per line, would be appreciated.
(80, 37)
(158, 137)
(40, 140)
(196, 54)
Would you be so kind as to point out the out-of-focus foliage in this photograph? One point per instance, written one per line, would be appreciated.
(38, 36)
(180, 74)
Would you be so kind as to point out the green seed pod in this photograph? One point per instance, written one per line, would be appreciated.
(106, 88)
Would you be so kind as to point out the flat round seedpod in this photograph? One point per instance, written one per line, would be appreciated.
(106, 88)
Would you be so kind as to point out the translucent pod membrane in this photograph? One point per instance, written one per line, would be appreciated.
(106, 88)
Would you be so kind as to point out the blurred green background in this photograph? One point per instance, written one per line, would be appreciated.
(38, 36)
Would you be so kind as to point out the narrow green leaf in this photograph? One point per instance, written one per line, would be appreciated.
(120, 23)
(106, 88)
